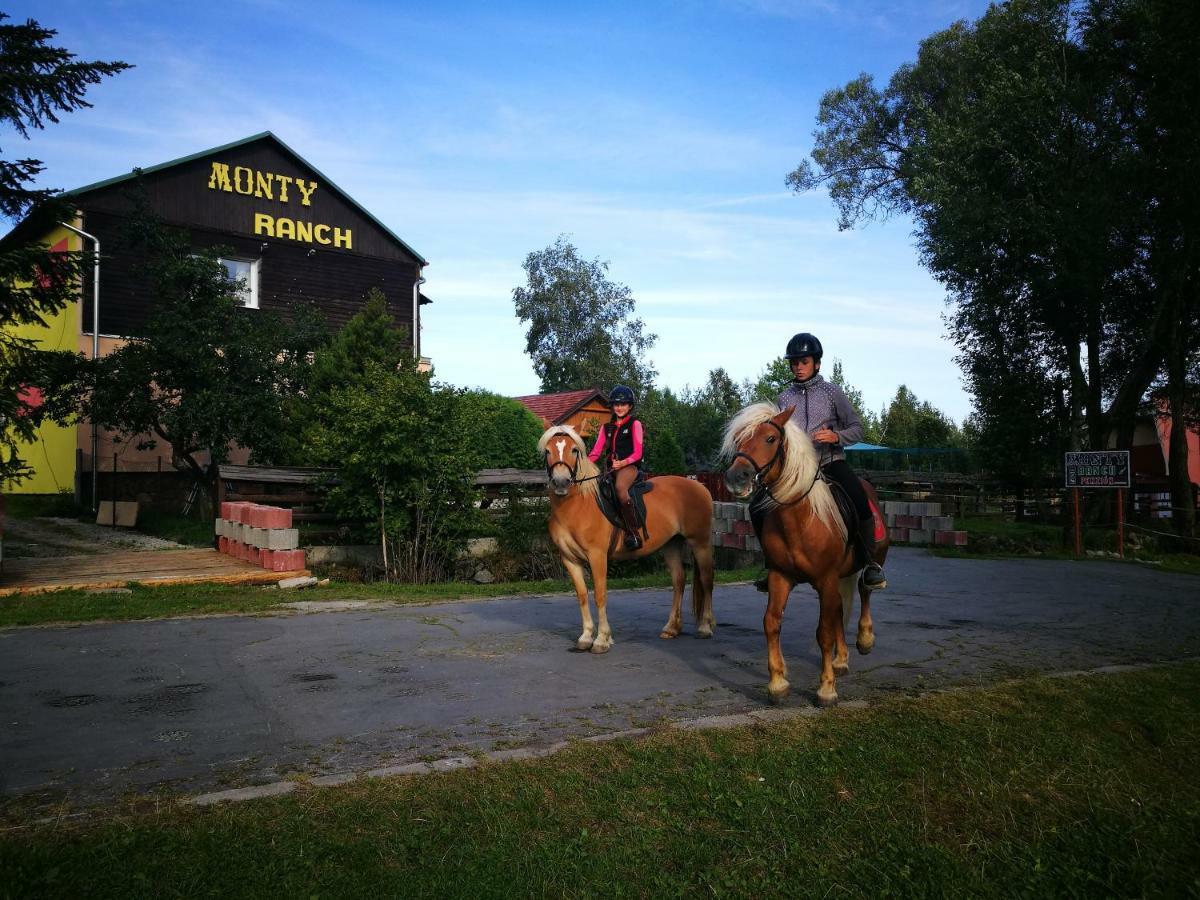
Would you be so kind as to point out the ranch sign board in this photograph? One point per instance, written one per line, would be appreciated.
(1103, 468)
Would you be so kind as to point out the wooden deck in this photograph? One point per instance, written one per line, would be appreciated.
(119, 568)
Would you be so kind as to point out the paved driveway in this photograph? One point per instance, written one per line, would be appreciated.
(195, 704)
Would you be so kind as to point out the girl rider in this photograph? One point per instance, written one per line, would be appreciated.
(823, 411)
(621, 439)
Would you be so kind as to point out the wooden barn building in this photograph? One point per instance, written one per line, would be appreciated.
(292, 236)
(585, 411)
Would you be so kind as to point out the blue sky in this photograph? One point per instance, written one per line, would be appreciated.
(656, 135)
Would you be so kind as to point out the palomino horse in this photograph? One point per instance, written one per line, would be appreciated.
(803, 537)
(677, 511)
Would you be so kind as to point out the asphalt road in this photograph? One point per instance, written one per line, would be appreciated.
(192, 705)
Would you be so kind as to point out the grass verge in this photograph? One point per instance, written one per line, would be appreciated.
(1078, 786)
(994, 538)
(143, 602)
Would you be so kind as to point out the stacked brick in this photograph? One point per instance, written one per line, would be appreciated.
(260, 534)
(731, 528)
(921, 523)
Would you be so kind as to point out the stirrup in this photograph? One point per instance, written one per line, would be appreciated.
(873, 578)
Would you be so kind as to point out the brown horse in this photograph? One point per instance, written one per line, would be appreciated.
(678, 511)
(803, 538)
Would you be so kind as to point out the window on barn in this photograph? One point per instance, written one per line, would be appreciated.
(245, 273)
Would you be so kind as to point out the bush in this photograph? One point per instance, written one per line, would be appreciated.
(507, 432)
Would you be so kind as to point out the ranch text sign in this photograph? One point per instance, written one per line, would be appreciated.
(285, 189)
(1105, 468)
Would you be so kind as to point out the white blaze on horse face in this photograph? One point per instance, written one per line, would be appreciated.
(561, 445)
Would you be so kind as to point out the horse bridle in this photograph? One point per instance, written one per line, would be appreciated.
(572, 469)
(760, 472)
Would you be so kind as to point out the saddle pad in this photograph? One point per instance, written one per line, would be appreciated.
(606, 499)
(880, 525)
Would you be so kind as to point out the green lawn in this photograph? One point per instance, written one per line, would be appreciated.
(1075, 787)
(176, 600)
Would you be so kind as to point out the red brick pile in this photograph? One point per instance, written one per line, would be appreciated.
(260, 534)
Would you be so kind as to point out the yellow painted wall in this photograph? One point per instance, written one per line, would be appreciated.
(52, 455)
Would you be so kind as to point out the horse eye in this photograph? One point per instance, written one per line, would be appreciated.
(771, 439)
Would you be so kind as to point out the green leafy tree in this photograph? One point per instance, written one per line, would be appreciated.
(582, 332)
(507, 432)
(869, 421)
(206, 374)
(39, 82)
(776, 376)
(910, 422)
(703, 415)
(368, 341)
(406, 455)
(1046, 154)
(664, 455)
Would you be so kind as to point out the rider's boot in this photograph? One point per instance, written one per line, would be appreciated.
(629, 517)
(873, 578)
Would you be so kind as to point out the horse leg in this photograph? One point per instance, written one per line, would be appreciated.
(778, 588)
(575, 570)
(598, 562)
(828, 625)
(866, 627)
(841, 656)
(673, 554)
(702, 588)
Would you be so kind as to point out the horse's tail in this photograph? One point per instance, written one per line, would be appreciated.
(846, 587)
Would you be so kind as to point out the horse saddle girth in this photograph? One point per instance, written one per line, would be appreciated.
(610, 503)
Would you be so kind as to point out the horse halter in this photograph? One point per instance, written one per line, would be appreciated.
(760, 472)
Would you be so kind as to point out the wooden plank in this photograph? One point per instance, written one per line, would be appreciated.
(143, 567)
(273, 475)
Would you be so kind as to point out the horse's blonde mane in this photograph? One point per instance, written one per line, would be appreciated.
(798, 469)
(586, 468)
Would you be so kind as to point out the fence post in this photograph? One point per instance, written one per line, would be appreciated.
(1121, 522)
(1075, 496)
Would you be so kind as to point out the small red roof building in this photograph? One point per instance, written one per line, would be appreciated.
(583, 410)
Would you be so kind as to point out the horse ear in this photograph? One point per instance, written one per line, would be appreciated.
(782, 417)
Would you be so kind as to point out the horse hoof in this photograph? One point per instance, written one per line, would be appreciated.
(583, 644)
(777, 694)
(825, 700)
(841, 668)
(667, 634)
(601, 648)
(865, 647)
(704, 633)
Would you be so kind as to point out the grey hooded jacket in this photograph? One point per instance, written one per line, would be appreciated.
(820, 403)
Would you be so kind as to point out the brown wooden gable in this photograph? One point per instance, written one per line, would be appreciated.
(230, 189)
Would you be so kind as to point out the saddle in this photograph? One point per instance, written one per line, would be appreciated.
(610, 503)
(850, 517)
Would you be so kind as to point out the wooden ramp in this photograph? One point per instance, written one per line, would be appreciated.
(118, 568)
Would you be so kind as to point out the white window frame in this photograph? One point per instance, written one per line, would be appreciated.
(249, 294)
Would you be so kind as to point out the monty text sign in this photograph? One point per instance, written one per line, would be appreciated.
(1102, 468)
(287, 190)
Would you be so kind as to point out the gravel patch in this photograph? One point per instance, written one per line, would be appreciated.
(52, 537)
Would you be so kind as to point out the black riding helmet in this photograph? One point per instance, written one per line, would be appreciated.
(804, 344)
(621, 394)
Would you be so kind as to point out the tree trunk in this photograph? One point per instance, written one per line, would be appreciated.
(1183, 512)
